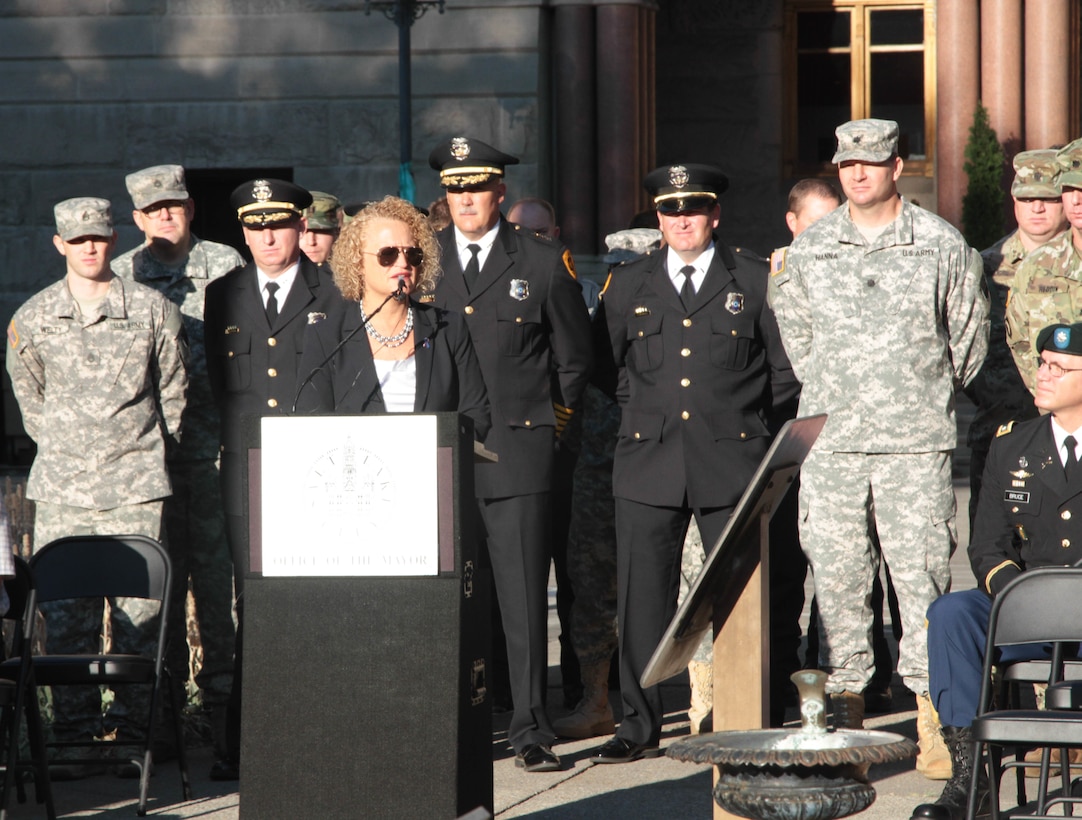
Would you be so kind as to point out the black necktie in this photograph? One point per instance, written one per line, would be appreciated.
(473, 267)
(272, 303)
(1070, 466)
(687, 292)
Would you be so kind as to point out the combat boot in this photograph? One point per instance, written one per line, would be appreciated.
(934, 759)
(701, 710)
(952, 802)
(593, 715)
(848, 709)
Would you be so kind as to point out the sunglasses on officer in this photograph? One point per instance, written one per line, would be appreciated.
(389, 255)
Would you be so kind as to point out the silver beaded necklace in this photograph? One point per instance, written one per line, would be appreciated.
(388, 341)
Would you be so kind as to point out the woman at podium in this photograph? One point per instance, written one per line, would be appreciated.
(379, 348)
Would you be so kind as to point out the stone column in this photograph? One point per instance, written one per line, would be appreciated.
(576, 126)
(1047, 63)
(1001, 70)
(957, 47)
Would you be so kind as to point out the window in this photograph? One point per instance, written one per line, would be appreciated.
(850, 59)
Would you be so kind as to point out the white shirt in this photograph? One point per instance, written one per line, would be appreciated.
(398, 383)
(485, 243)
(674, 263)
(284, 281)
(1059, 434)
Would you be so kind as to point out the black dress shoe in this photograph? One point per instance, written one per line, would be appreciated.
(225, 770)
(619, 750)
(537, 757)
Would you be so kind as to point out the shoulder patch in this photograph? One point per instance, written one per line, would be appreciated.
(569, 263)
(777, 261)
(13, 335)
(1005, 429)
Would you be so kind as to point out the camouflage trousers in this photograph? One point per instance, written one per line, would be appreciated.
(909, 499)
(691, 564)
(77, 626)
(195, 533)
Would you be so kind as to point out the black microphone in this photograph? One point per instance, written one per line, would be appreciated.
(337, 347)
(399, 295)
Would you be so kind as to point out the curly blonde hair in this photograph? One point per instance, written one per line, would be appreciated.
(347, 258)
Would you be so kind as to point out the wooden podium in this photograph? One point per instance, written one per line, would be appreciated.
(731, 594)
(365, 695)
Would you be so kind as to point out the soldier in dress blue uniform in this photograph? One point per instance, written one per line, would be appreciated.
(530, 329)
(255, 320)
(692, 351)
(1029, 515)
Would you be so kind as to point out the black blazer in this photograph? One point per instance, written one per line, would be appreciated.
(1027, 514)
(448, 375)
(252, 366)
(530, 328)
(697, 387)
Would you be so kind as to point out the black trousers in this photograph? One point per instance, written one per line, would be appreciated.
(649, 542)
(515, 535)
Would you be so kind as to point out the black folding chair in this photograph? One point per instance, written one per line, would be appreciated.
(1039, 606)
(109, 566)
(18, 696)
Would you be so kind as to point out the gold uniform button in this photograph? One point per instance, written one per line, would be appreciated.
(685, 352)
(272, 341)
(272, 372)
(1066, 542)
(640, 334)
(733, 333)
(637, 435)
(1014, 509)
(469, 310)
(527, 422)
(685, 415)
(272, 402)
(1065, 515)
(743, 435)
(685, 382)
(687, 323)
(229, 354)
(518, 320)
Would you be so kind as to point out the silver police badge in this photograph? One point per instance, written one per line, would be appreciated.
(460, 148)
(261, 190)
(678, 176)
(520, 290)
(734, 302)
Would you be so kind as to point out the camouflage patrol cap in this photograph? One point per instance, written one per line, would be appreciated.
(323, 213)
(83, 216)
(1061, 338)
(866, 141)
(1035, 175)
(465, 161)
(1069, 160)
(159, 183)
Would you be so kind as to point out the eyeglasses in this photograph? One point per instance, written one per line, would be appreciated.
(1054, 370)
(388, 256)
(175, 208)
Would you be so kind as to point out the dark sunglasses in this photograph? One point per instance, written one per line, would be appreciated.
(388, 256)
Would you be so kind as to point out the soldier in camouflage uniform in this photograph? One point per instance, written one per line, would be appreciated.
(97, 365)
(882, 309)
(180, 266)
(324, 217)
(999, 391)
(591, 545)
(1048, 285)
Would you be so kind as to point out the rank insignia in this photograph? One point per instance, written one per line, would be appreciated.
(520, 290)
(734, 302)
(1004, 429)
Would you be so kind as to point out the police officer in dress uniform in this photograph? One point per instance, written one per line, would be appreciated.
(1029, 515)
(255, 321)
(692, 351)
(530, 329)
